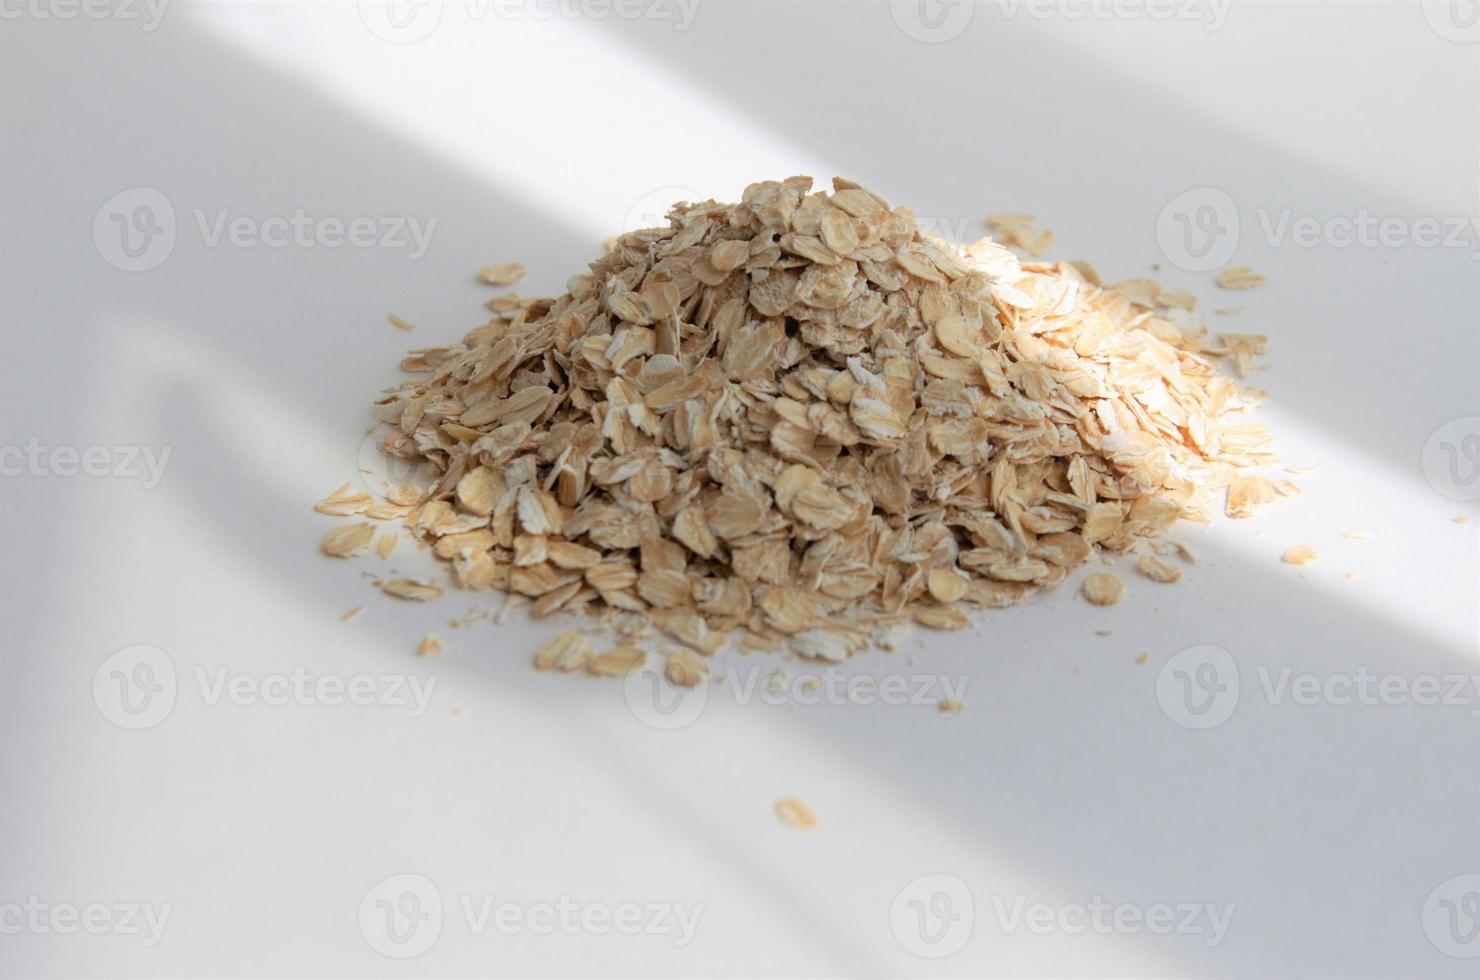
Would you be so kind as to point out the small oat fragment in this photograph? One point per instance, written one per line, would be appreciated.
(1300, 554)
(501, 275)
(351, 614)
(343, 502)
(618, 661)
(794, 813)
(399, 323)
(569, 651)
(1240, 277)
(385, 546)
(1247, 494)
(949, 706)
(1102, 632)
(430, 646)
(1228, 310)
(937, 618)
(417, 590)
(1462, 519)
(1157, 570)
(1141, 660)
(1358, 535)
(404, 495)
(947, 585)
(683, 666)
(1351, 576)
(1016, 230)
(348, 541)
(1103, 589)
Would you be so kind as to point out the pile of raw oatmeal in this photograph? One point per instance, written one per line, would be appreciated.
(797, 423)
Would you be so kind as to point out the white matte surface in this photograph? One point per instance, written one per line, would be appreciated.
(1326, 826)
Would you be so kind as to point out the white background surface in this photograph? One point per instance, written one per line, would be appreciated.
(1326, 826)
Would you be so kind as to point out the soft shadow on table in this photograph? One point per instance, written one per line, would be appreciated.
(1020, 793)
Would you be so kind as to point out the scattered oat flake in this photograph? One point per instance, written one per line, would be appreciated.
(1228, 310)
(351, 614)
(343, 502)
(1358, 535)
(430, 645)
(1142, 658)
(502, 275)
(950, 706)
(348, 541)
(385, 545)
(618, 661)
(1017, 230)
(683, 666)
(1240, 277)
(1300, 554)
(1351, 576)
(1158, 570)
(399, 323)
(1462, 519)
(1103, 589)
(418, 590)
(794, 813)
(569, 651)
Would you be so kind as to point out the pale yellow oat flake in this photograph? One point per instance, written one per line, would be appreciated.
(1300, 554)
(794, 813)
(1103, 589)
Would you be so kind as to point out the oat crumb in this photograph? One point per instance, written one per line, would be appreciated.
(1103, 589)
(794, 813)
(1240, 277)
(1300, 554)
